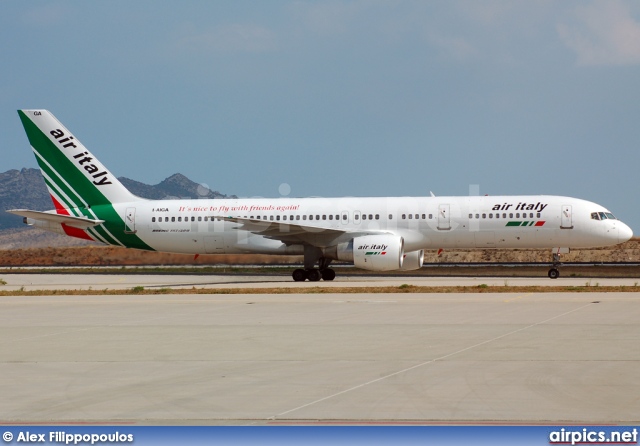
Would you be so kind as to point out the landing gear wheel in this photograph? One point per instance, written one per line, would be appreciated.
(313, 275)
(328, 274)
(554, 273)
(299, 275)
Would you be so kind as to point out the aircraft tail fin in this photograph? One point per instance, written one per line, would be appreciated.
(74, 177)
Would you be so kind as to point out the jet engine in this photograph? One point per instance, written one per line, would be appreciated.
(373, 252)
(413, 260)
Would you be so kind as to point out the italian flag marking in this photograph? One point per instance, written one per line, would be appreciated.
(526, 223)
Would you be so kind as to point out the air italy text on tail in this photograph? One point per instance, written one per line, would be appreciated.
(82, 189)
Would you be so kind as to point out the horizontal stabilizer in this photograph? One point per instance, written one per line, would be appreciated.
(75, 222)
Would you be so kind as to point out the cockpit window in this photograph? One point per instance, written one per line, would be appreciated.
(602, 216)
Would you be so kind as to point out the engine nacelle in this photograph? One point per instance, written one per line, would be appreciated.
(413, 260)
(374, 252)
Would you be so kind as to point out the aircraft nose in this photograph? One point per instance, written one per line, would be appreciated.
(624, 233)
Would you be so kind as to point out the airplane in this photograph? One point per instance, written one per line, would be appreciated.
(375, 234)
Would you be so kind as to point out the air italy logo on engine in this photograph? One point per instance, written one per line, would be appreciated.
(374, 250)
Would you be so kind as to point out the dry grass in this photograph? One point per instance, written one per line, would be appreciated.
(111, 255)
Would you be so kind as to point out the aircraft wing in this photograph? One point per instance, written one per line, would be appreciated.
(69, 220)
(292, 233)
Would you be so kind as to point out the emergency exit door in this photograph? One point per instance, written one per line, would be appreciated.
(130, 221)
(566, 219)
(444, 220)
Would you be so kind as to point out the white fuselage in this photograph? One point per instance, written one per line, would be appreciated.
(194, 226)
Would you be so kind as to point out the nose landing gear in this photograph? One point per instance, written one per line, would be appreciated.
(554, 273)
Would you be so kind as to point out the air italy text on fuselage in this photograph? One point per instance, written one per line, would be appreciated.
(538, 207)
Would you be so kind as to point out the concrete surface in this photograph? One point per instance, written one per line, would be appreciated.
(127, 281)
(260, 359)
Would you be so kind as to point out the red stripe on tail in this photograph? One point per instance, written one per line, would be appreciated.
(69, 230)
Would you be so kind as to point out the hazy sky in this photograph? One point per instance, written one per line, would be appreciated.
(334, 98)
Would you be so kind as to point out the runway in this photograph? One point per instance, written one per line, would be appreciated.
(117, 281)
(319, 358)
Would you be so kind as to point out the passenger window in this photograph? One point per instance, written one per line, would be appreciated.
(417, 216)
(404, 216)
(490, 215)
(271, 217)
(504, 215)
(370, 216)
(470, 216)
(531, 215)
(304, 217)
(430, 216)
(166, 219)
(538, 215)
(390, 216)
(317, 217)
(377, 216)
(497, 215)
(330, 217)
(518, 215)
(277, 217)
(511, 215)
(410, 216)
(324, 217)
(484, 215)
(297, 217)
(344, 217)
(179, 218)
(153, 219)
(356, 217)
(364, 216)
(173, 219)
(424, 216)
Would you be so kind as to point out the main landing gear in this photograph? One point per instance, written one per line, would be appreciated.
(313, 275)
(311, 256)
(553, 272)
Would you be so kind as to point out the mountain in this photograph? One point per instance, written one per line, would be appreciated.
(25, 189)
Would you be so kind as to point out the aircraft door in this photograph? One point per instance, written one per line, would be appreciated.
(444, 220)
(130, 221)
(566, 220)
